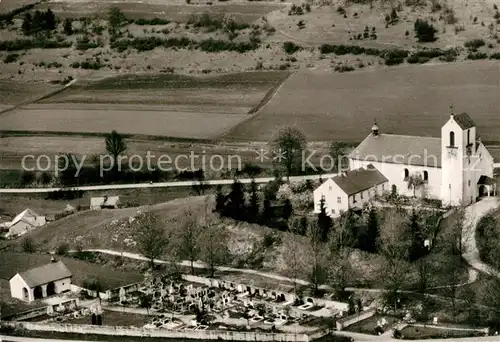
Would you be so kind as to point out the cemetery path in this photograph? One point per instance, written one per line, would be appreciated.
(474, 213)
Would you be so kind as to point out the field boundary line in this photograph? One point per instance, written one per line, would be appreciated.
(43, 97)
(274, 91)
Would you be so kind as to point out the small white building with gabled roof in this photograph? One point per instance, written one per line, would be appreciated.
(41, 282)
(104, 202)
(25, 222)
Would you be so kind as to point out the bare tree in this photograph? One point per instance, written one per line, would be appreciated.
(394, 245)
(340, 271)
(115, 145)
(214, 243)
(189, 238)
(151, 236)
(294, 258)
(461, 228)
(316, 256)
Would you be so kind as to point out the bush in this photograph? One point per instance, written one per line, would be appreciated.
(474, 44)
(28, 245)
(477, 55)
(290, 47)
(343, 68)
(155, 21)
(414, 59)
(424, 31)
(11, 57)
(394, 57)
(26, 44)
(495, 55)
(62, 249)
(348, 49)
(85, 43)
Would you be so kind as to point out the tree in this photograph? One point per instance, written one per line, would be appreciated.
(372, 234)
(26, 26)
(27, 178)
(68, 170)
(236, 201)
(215, 240)
(68, 27)
(340, 271)
(289, 143)
(294, 258)
(415, 181)
(253, 207)
(49, 20)
(115, 145)
(299, 225)
(200, 186)
(44, 178)
(189, 238)
(95, 285)
(417, 248)
(424, 32)
(145, 301)
(394, 246)
(338, 153)
(151, 236)
(316, 256)
(220, 199)
(28, 245)
(115, 18)
(325, 222)
(287, 209)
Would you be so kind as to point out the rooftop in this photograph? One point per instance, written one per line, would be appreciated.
(399, 149)
(464, 121)
(45, 274)
(352, 182)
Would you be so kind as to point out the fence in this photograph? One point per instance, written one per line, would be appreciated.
(183, 334)
(349, 320)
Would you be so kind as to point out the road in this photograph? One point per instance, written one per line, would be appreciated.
(160, 184)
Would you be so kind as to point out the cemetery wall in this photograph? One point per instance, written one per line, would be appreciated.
(78, 289)
(349, 320)
(115, 293)
(183, 334)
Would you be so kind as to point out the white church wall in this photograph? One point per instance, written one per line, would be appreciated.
(452, 184)
(395, 174)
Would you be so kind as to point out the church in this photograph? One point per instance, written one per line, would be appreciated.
(455, 168)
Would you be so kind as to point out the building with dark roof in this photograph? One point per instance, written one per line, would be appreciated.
(40, 282)
(349, 190)
(450, 167)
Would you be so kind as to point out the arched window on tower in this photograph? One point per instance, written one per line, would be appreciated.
(452, 139)
(407, 174)
(426, 176)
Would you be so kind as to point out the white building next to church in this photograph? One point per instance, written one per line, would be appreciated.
(455, 168)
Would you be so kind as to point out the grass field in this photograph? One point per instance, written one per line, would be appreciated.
(106, 228)
(12, 263)
(175, 10)
(411, 100)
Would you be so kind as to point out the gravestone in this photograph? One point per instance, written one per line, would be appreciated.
(50, 310)
(122, 294)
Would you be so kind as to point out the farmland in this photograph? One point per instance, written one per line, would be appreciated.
(173, 109)
(410, 100)
(14, 92)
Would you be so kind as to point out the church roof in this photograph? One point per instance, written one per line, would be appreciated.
(464, 121)
(399, 149)
(352, 182)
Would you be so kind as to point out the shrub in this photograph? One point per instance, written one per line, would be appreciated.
(394, 57)
(495, 55)
(414, 59)
(85, 43)
(424, 31)
(28, 245)
(474, 44)
(343, 68)
(62, 249)
(11, 57)
(26, 44)
(291, 47)
(154, 21)
(477, 55)
(348, 49)
(340, 10)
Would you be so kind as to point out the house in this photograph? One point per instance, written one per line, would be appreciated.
(41, 282)
(25, 222)
(349, 190)
(454, 168)
(104, 202)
